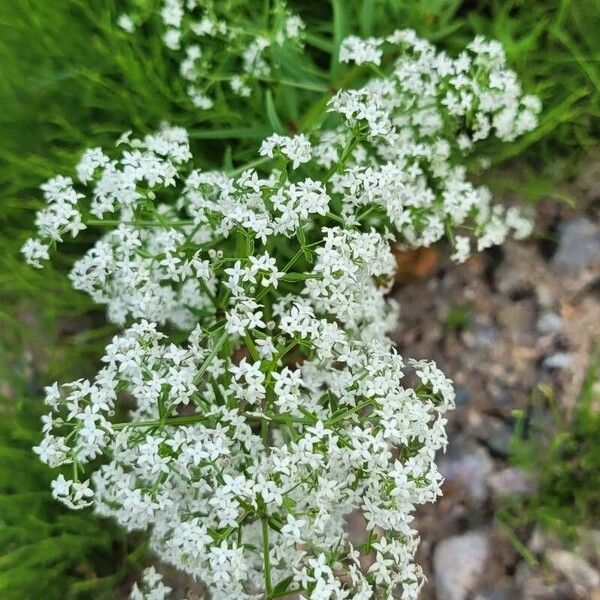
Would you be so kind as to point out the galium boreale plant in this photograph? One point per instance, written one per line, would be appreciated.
(254, 399)
(231, 33)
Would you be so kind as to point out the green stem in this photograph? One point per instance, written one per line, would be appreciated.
(250, 165)
(113, 222)
(266, 557)
(219, 343)
(342, 416)
(182, 420)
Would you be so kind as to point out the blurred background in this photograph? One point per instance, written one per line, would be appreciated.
(517, 328)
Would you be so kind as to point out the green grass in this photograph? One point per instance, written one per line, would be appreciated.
(47, 551)
(70, 79)
(563, 456)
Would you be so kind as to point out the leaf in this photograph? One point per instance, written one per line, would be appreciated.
(282, 586)
(272, 115)
(340, 31)
(367, 14)
(257, 132)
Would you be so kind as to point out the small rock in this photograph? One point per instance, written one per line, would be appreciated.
(579, 245)
(588, 544)
(578, 571)
(537, 542)
(485, 335)
(492, 595)
(513, 282)
(458, 563)
(534, 586)
(549, 322)
(546, 294)
(511, 481)
(500, 396)
(560, 360)
(469, 465)
(494, 433)
(461, 396)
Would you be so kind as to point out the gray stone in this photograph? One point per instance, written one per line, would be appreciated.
(462, 396)
(578, 571)
(494, 433)
(560, 360)
(579, 246)
(549, 322)
(588, 544)
(500, 396)
(511, 481)
(469, 465)
(458, 563)
(534, 586)
(492, 595)
(485, 335)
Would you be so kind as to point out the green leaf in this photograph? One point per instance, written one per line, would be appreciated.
(257, 132)
(340, 31)
(282, 586)
(367, 15)
(272, 115)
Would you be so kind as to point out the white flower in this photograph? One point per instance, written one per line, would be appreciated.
(73, 494)
(462, 249)
(153, 587)
(297, 148)
(293, 528)
(126, 23)
(35, 251)
(359, 51)
(90, 161)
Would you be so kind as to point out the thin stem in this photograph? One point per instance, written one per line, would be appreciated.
(113, 222)
(266, 557)
(281, 419)
(182, 420)
(285, 593)
(304, 85)
(219, 343)
(350, 411)
(348, 150)
(250, 165)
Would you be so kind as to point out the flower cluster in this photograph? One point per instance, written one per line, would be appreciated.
(283, 406)
(204, 34)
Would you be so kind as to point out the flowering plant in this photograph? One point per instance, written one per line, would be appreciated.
(202, 33)
(276, 405)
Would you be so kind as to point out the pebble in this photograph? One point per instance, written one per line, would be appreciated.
(578, 571)
(511, 481)
(588, 544)
(494, 433)
(579, 246)
(469, 465)
(458, 564)
(534, 586)
(549, 322)
(462, 396)
(492, 595)
(560, 360)
(485, 335)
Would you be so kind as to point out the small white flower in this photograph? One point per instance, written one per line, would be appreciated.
(360, 51)
(126, 23)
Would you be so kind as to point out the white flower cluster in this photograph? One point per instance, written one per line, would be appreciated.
(358, 50)
(152, 589)
(207, 33)
(242, 449)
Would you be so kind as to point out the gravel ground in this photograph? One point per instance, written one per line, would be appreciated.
(501, 325)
